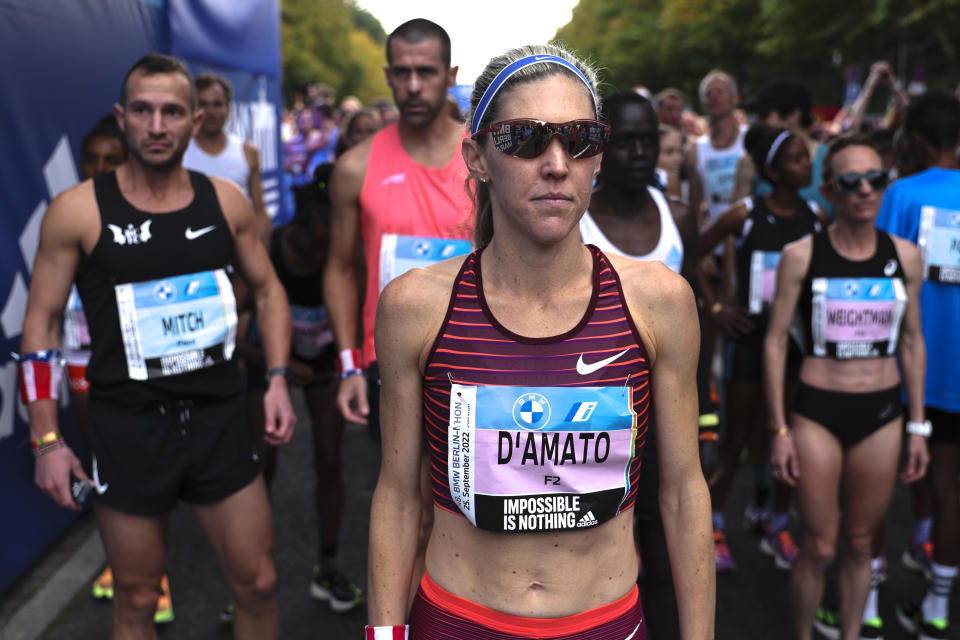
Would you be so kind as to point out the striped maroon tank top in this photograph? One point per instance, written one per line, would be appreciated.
(536, 434)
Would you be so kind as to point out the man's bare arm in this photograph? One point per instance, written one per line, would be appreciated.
(273, 310)
(70, 219)
(340, 275)
(255, 187)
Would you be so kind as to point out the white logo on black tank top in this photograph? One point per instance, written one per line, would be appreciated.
(190, 234)
(131, 235)
(890, 268)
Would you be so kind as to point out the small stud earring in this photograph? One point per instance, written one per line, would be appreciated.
(483, 179)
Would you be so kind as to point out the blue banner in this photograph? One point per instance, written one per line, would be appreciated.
(66, 62)
(70, 58)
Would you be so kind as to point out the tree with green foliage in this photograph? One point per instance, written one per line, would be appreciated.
(333, 42)
(658, 43)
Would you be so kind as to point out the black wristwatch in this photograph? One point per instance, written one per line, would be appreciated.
(278, 371)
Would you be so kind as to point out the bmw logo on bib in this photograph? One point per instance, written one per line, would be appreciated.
(531, 411)
(164, 291)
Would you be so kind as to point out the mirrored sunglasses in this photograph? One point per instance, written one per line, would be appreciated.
(850, 182)
(526, 138)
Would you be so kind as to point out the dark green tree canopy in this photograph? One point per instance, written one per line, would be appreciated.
(659, 43)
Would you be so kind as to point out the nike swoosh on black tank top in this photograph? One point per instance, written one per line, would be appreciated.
(137, 246)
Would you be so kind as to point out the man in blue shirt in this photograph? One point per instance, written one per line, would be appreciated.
(925, 208)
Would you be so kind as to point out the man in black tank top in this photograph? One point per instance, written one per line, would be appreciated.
(148, 246)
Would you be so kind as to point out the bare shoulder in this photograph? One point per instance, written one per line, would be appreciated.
(421, 289)
(799, 248)
(910, 258)
(73, 213)
(659, 300)
(907, 251)
(351, 167)
(796, 255)
(234, 203)
(412, 306)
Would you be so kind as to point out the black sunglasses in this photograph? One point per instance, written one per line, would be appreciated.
(527, 138)
(850, 182)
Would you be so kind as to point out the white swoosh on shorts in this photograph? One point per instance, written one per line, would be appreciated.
(585, 369)
(101, 488)
(193, 235)
(637, 628)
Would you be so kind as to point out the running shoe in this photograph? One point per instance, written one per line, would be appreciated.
(918, 557)
(753, 518)
(721, 553)
(880, 574)
(103, 585)
(827, 624)
(871, 629)
(335, 588)
(781, 547)
(910, 617)
(164, 612)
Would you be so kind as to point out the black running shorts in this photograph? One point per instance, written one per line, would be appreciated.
(146, 458)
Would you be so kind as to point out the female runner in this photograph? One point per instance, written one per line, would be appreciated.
(761, 226)
(857, 290)
(533, 369)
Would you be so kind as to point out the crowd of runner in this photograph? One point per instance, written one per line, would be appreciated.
(565, 318)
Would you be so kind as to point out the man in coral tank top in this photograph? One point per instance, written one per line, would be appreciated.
(402, 194)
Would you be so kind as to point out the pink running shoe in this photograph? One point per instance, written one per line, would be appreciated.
(721, 553)
(781, 547)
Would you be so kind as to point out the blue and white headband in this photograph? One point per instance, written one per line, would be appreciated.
(775, 146)
(513, 68)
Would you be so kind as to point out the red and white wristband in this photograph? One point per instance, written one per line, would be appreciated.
(349, 363)
(41, 373)
(395, 632)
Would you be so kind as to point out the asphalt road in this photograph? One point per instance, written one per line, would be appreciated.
(752, 602)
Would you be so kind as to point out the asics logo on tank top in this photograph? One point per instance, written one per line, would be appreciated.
(397, 178)
(585, 369)
(131, 235)
(192, 234)
(890, 268)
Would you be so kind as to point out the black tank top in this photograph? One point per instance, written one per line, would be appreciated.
(758, 254)
(312, 338)
(155, 282)
(852, 309)
(302, 289)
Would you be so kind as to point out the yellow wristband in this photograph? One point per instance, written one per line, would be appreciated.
(47, 438)
(782, 431)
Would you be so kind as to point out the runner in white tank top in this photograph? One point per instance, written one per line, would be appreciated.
(628, 208)
(231, 163)
(216, 152)
(669, 249)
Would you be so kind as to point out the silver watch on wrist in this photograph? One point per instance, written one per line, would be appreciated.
(919, 428)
